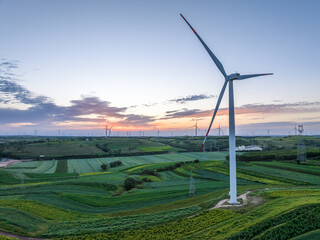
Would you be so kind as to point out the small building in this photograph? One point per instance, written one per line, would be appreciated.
(250, 148)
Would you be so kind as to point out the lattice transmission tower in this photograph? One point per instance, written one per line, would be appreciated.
(204, 153)
(22, 180)
(301, 154)
(192, 188)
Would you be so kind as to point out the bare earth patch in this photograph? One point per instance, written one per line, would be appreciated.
(19, 237)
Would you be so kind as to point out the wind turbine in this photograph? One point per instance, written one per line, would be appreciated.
(220, 130)
(108, 131)
(196, 128)
(232, 140)
(36, 132)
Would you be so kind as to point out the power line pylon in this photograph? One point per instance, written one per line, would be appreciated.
(204, 153)
(192, 188)
(301, 154)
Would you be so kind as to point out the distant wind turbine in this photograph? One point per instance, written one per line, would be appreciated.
(232, 140)
(108, 131)
(36, 132)
(196, 128)
(220, 130)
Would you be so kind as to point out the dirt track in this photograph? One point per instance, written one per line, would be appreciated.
(19, 237)
(8, 162)
(242, 196)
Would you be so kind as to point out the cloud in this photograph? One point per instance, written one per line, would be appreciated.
(42, 110)
(12, 92)
(191, 98)
(277, 108)
(6, 66)
(50, 112)
(136, 120)
(150, 104)
(93, 105)
(20, 124)
(297, 107)
(278, 127)
(182, 113)
(181, 100)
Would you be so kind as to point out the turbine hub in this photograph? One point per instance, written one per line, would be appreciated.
(233, 76)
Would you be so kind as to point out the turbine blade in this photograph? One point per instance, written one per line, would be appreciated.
(214, 58)
(215, 112)
(253, 75)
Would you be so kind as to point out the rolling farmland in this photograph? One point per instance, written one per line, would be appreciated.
(77, 199)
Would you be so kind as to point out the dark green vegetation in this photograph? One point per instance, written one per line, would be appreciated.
(82, 147)
(147, 196)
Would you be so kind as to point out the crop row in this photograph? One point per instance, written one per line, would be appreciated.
(301, 224)
(245, 176)
(6, 238)
(256, 174)
(314, 170)
(117, 223)
(261, 227)
(293, 193)
(286, 176)
(21, 223)
(169, 231)
(43, 210)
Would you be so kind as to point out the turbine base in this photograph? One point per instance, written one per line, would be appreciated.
(233, 202)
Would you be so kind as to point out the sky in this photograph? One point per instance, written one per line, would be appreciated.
(73, 67)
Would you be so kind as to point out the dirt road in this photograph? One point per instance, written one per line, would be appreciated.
(19, 237)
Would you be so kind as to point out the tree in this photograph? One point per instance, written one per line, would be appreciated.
(115, 163)
(104, 166)
(129, 183)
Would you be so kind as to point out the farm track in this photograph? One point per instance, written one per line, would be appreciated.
(221, 203)
(19, 237)
(242, 196)
(9, 163)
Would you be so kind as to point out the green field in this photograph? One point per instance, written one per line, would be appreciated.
(85, 147)
(76, 199)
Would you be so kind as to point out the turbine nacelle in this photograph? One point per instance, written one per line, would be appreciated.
(233, 76)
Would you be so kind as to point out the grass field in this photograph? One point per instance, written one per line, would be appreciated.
(76, 199)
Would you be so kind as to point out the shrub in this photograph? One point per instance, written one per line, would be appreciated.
(129, 183)
(104, 166)
(103, 147)
(149, 172)
(115, 163)
(145, 179)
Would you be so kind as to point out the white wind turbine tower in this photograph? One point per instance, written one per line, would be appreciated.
(220, 130)
(36, 132)
(196, 128)
(232, 140)
(108, 131)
